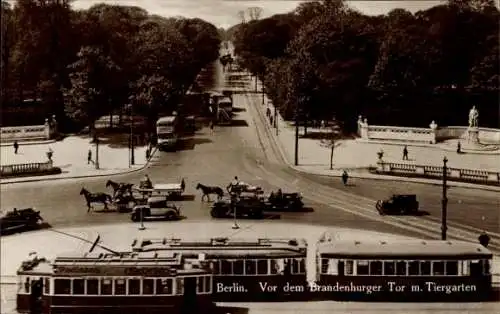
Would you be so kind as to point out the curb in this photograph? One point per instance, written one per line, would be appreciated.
(31, 179)
(25, 143)
(438, 182)
(441, 148)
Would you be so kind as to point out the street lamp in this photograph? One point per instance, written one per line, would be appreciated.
(296, 136)
(276, 119)
(335, 133)
(235, 224)
(96, 141)
(142, 227)
(132, 155)
(444, 201)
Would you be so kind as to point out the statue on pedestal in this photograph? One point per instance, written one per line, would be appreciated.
(473, 117)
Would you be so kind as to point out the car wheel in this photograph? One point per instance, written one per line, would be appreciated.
(170, 216)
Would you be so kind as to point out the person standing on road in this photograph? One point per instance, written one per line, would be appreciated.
(16, 147)
(89, 157)
(405, 153)
(211, 125)
(345, 177)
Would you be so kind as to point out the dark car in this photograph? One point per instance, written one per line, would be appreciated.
(19, 219)
(157, 207)
(247, 205)
(398, 204)
(284, 201)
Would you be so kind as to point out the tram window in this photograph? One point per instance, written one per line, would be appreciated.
(414, 268)
(226, 267)
(486, 266)
(349, 268)
(341, 268)
(238, 267)
(208, 283)
(438, 268)
(46, 286)
(376, 268)
(164, 286)
(120, 287)
(200, 284)
(78, 286)
(389, 268)
(475, 268)
(277, 266)
(134, 286)
(92, 286)
(62, 286)
(324, 265)
(250, 267)
(465, 268)
(262, 267)
(363, 268)
(302, 265)
(27, 285)
(215, 266)
(179, 286)
(452, 268)
(425, 268)
(401, 268)
(148, 286)
(106, 287)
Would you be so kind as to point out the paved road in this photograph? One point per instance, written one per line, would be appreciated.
(245, 151)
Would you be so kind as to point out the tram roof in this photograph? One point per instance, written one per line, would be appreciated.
(166, 119)
(225, 247)
(403, 248)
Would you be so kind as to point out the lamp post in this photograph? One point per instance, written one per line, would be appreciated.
(444, 202)
(296, 136)
(235, 224)
(142, 227)
(276, 119)
(96, 152)
(132, 155)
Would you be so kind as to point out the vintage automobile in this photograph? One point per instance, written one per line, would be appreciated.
(284, 201)
(157, 207)
(247, 205)
(19, 219)
(398, 204)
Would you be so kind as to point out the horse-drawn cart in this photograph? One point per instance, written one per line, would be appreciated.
(170, 190)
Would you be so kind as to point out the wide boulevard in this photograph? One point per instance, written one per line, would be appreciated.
(244, 150)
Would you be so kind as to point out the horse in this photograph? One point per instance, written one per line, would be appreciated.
(119, 187)
(96, 198)
(207, 190)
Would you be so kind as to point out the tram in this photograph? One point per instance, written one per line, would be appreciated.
(403, 270)
(129, 283)
(256, 270)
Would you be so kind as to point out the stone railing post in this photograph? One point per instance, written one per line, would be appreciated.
(433, 127)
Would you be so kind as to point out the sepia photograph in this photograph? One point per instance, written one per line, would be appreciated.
(250, 157)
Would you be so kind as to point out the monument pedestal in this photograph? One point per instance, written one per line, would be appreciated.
(473, 135)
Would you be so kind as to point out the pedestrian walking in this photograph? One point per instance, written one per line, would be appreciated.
(16, 147)
(268, 112)
(345, 177)
(89, 157)
(459, 148)
(271, 120)
(405, 153)
(50, 153)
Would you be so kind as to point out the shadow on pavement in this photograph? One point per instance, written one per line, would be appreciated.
(235, 122)
(190, 143)
(185, 197)
(238, 109)
(40, 226)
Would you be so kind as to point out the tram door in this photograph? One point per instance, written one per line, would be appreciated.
(190, 302)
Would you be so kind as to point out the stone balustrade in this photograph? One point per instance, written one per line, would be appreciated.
(28, 132)
(405, 169)
(16, 169)
(430, 135)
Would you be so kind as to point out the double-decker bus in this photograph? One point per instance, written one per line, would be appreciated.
(244, 270)
(156, 282)
(168, 131)
(403, 270)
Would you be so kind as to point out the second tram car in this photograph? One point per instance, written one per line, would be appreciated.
(129, 283)
(403, 270)
(261, 270)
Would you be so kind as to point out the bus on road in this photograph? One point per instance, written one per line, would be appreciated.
(167, 131)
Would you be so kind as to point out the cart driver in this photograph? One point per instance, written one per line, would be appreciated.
(279, 195)
(234, 183)
(146, 182)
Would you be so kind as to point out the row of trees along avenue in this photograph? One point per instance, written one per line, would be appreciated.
(87, 63)
(328, 60)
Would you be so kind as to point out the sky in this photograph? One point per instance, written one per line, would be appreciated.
(224, 13)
